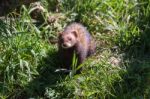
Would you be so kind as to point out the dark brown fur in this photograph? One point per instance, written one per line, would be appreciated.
(83, 45)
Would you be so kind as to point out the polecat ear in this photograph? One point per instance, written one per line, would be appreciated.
(75, 33)
(60, 34)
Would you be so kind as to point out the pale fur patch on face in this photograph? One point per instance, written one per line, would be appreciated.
(68, 45)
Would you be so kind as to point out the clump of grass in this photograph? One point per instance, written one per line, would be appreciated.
(21, 51)
(97, 79)
(135, 83)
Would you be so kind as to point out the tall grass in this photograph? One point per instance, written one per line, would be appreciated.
(21, 51)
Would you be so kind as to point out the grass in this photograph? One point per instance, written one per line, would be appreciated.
(118, 70)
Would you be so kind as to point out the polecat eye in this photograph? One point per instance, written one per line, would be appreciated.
(61, 39)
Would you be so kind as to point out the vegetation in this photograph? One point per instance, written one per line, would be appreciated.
(119, 69)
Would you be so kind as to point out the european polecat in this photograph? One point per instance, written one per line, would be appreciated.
(75, 39)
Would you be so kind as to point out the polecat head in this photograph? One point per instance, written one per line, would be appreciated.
(68, 40)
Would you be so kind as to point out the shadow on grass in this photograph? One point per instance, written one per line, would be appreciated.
(136, 80)
(47, 77)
